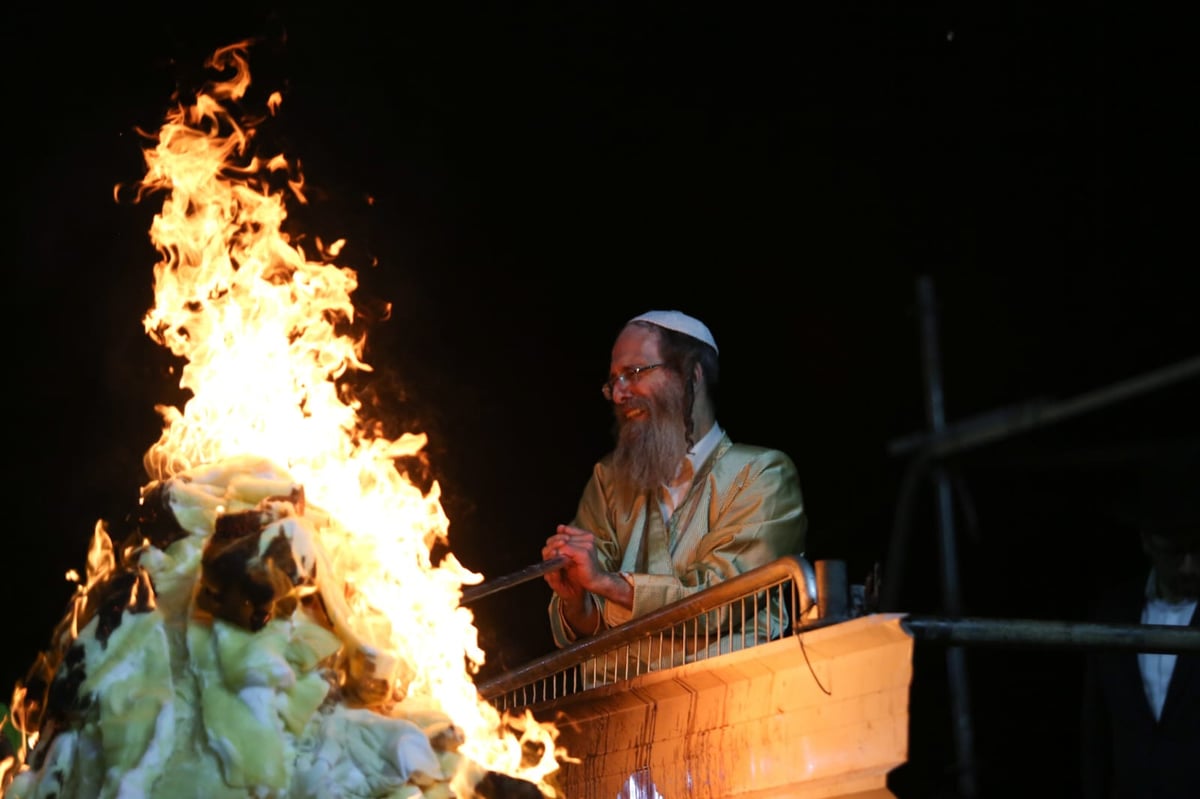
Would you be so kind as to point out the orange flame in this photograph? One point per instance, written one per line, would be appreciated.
(256, 321)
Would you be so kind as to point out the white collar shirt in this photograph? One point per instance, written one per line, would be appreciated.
(673, 493)
(1156, 668)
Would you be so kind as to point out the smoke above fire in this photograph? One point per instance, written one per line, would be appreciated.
(272, 512)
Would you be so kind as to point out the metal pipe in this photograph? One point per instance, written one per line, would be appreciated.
(1034, 634)
(994, 425)
(532, 572)
(956, 664)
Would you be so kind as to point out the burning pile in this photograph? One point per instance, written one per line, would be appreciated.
(272, 624)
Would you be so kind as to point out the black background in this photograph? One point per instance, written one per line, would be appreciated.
(518, 180)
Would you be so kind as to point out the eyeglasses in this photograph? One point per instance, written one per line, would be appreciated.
(626, 377)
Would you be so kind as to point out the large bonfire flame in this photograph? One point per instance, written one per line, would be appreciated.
(275, 626)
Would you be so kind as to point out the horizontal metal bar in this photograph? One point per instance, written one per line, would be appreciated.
(1037, 634)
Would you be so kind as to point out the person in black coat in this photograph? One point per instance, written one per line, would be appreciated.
(1141, 710)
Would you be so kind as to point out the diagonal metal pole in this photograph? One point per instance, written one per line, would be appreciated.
(956, 670)
(966, 434)
(524, 575)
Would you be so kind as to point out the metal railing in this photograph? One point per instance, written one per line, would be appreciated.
(772, 601)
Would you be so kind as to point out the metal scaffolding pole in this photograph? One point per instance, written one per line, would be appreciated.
(956, 667)
(1056, 635)
(984, 428)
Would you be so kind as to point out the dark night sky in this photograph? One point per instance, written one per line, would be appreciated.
(539, 174)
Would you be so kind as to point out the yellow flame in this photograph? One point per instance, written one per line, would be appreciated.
(257, 322)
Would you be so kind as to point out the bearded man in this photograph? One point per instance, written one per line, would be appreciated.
(677, 506)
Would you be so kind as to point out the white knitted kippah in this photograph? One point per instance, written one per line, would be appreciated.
(680, 323)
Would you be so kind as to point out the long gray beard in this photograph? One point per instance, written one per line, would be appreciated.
(649, 450)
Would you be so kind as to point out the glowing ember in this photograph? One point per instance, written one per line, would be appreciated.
(275, 625)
